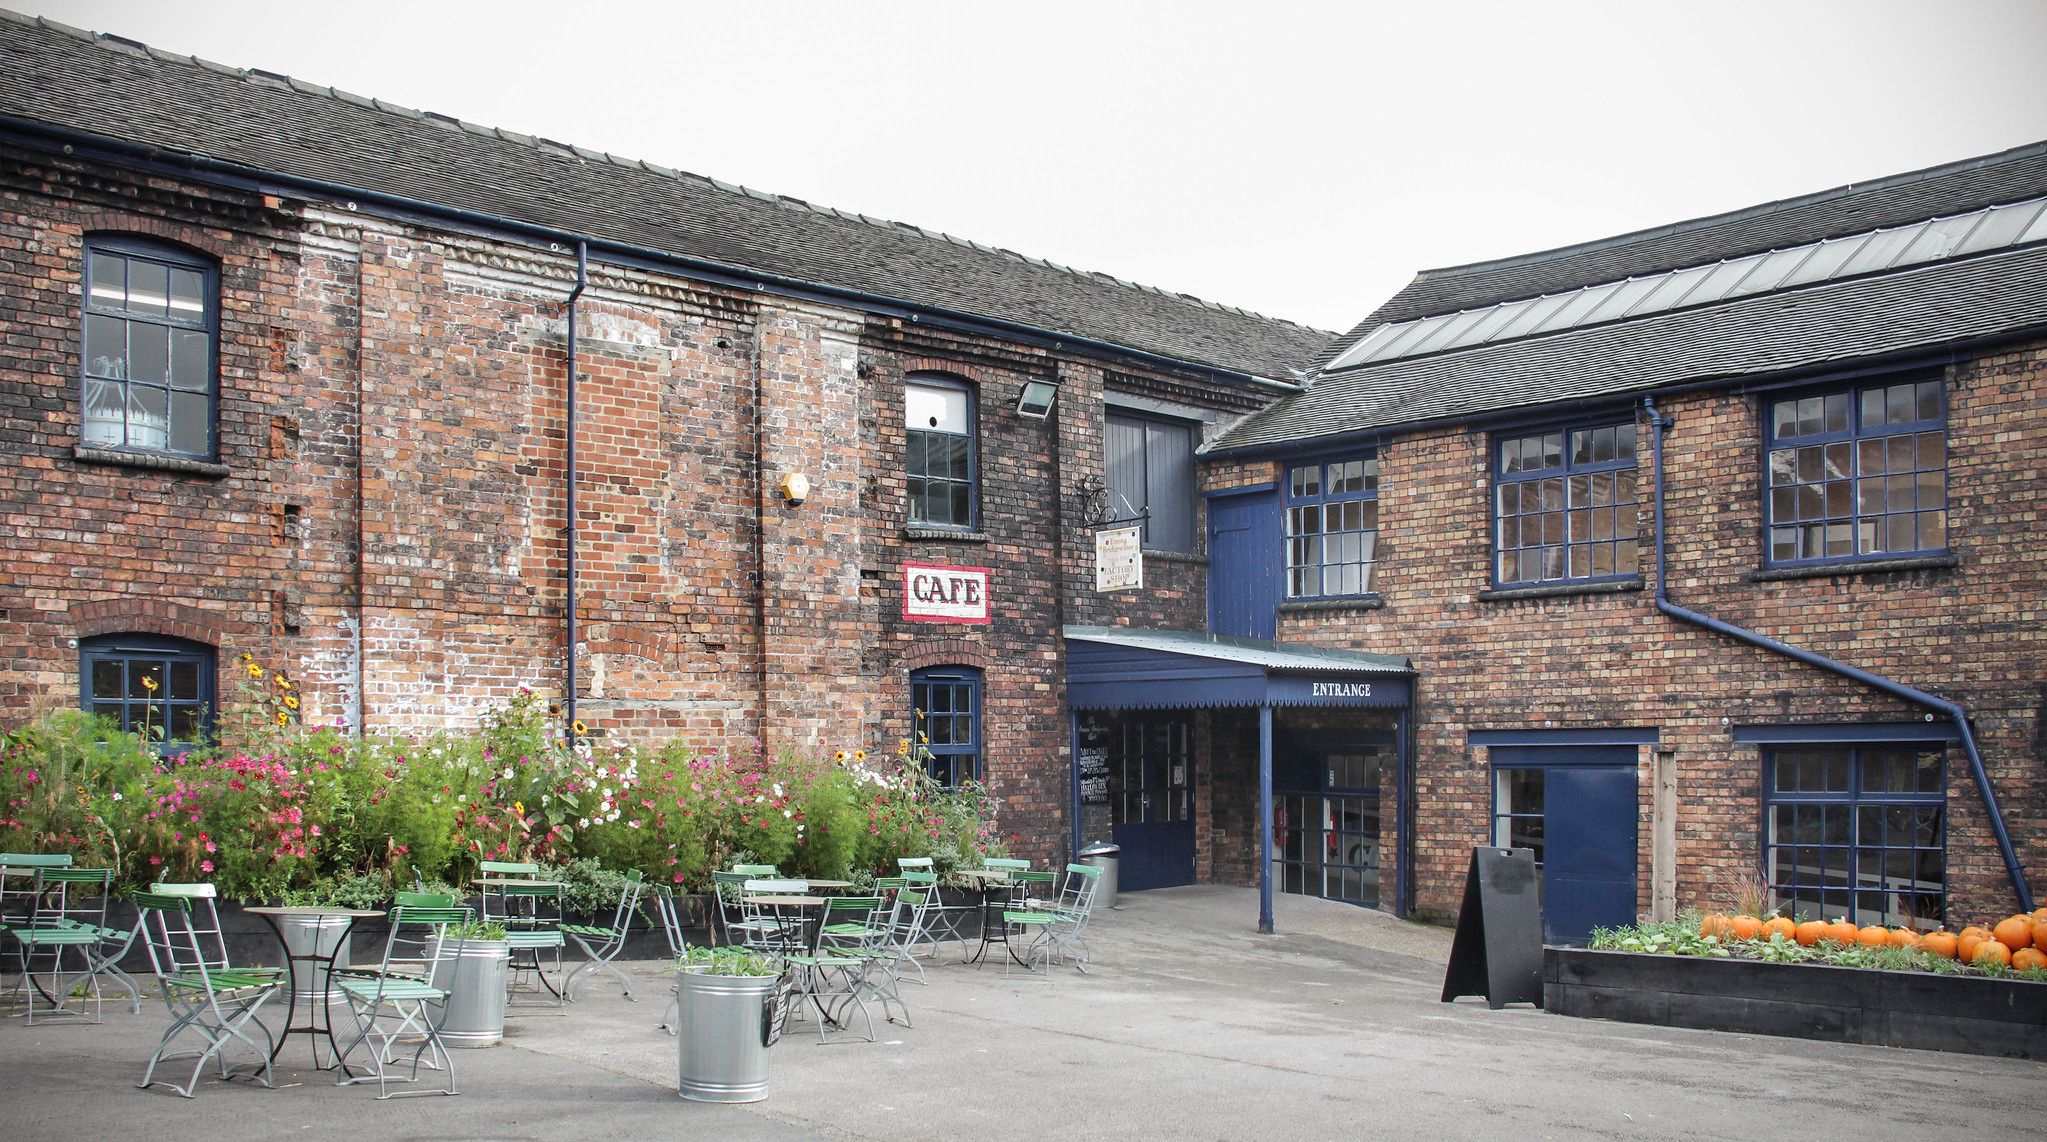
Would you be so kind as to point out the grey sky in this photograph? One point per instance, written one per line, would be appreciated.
(1298, 160)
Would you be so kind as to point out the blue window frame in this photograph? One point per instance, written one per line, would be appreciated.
(1564, 505)
(946, 710)
(160, 688)
(1150, 464)
(1858, 831)
(940, 460)
(147, 359)
(1332, 527)
(1857, 472)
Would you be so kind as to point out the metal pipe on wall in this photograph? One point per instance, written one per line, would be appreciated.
(571, 603)
(1660, 424)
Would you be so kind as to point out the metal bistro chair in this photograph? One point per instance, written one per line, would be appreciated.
(1060, 926)
(69, 927)
(220, 1004)
(18, 895)
(399, 1004)
(608, 941)
(830, 977)
(670, 914)
(938, 921)
(531, 912)
(729, 888)
(768, 928)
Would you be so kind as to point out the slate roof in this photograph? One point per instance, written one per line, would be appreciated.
(114, 88)
(1915, 307)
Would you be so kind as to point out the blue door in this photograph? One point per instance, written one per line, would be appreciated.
(1577, 808)
(1151, 799)
(1243, 565)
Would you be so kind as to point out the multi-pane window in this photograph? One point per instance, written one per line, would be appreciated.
(938, 414)
(159, 688)
(1565, 505)
(1151, 473)
(1858, 472)
(1858, 832)
(1332, 527)
(946, 710)
(148, 358)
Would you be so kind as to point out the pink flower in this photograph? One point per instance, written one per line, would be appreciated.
(205, 866)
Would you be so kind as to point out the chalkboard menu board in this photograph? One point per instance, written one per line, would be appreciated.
(1094, 762)
(1497, 951)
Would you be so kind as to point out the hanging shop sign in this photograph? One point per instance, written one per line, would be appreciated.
(933, 593)
(1119, 559)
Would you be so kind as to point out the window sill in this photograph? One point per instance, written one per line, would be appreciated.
(1562, 590)
(155, 461)
(944, 534)
(1372, 602)
(1865, 567)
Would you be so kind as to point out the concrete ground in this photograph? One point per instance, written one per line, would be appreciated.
(1191, 1026)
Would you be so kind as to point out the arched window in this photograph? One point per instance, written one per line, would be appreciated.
(161, 688)
(940, 460)
(945, 706)
(151, 322)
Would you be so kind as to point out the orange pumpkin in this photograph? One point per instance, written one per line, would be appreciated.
(1904, 938)
(1941, 943)
(1991, 952)
(1972, 940)
(1842, 932)
(1714, 925)
(2014, 932)
(1874, 936)
(2028, 958)
(1811, 932)
(1745, 927)
(1783, 926)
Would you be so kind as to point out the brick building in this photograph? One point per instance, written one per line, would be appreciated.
(1712, 547)
(287, 373)
(428, 412)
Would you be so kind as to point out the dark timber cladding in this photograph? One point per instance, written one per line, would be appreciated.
(1126, 668)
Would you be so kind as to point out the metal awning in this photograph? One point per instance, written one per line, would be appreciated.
(1134, 668)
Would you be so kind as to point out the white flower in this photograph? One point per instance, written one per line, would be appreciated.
(117, 796)
(778, 789)
(604, 807)
(508, 773)
(584, 823)
(635, 822)
(461, 797)
(787, 813)
(761, 800)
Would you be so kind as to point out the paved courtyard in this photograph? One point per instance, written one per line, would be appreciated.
(1192, 1026)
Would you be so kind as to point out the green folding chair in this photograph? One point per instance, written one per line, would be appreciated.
(400, 1005)
(530, 910)
(65, 948)
(602, 944)
(218, 1004)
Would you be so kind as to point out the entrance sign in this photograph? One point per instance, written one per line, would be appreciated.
(933, 593)
(1497, 952)
(1119, 559)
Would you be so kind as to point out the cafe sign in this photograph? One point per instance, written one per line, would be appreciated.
(933, 593)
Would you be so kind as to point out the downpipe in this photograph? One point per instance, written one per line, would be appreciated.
(582, 280)
(1659, 425)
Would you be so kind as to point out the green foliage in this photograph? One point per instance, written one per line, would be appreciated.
(74, 783)
(476, 930)
(1681, 937)
(727, 960)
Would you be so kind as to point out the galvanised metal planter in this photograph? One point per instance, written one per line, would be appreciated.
(1971, 1014)
(305, 936)
(723, 1028)
(475, 982)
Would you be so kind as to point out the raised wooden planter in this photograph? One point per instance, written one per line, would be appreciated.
(1971, 1014)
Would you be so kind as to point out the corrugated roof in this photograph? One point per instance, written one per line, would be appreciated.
(1262, 653)
(1908, 309)
(120, 90)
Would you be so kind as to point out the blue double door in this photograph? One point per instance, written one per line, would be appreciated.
(1577, 808)
(1151, 799)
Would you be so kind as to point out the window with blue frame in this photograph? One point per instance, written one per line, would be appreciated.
(160, 688)
(1858, 832)
(1332, 527)
(1564, 506)
(1858, 472)
(147, 363)
(938, 416)
(946, 711)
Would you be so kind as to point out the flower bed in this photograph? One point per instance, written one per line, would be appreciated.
(1975, 1014)
(312, 814)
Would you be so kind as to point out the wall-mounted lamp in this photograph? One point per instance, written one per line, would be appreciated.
(795, 488)
(1036, 398)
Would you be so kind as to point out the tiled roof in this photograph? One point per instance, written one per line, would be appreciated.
(117, 89)
(1865, 317)
(1897, 310)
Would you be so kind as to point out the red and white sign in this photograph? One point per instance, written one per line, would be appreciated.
(937, 594)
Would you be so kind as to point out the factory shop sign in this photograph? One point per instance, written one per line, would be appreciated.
(939, 594)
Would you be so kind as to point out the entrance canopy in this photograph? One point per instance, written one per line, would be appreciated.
(1132, 668)
(1125, 668)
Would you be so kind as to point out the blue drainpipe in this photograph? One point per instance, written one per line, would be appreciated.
(1660, 424)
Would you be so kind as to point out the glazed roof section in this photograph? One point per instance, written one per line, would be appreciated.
(1899, 286)
(116, 89)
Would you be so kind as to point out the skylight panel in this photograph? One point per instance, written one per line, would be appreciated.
(1880, 252)
(1534, 314)
(1827, 260)
(2002, 226)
